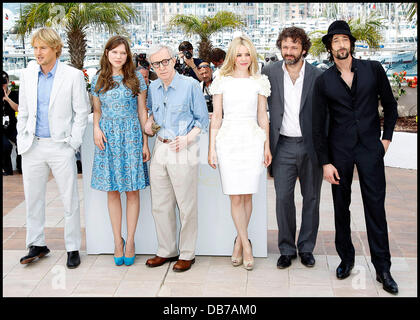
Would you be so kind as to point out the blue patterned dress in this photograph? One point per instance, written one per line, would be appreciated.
(119, 167)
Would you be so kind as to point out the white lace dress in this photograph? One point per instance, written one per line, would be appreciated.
(240, 141)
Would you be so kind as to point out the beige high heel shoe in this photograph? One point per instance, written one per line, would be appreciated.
(249, 264)
(236, 261)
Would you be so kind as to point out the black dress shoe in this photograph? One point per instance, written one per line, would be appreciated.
(388, 283)
(73, 259)
(344, 270)
(285, 261)
(34, 252)
(307, 259)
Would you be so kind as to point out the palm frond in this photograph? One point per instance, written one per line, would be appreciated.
(77, 17)
(317, 47)
(412, 11)
(188, 23)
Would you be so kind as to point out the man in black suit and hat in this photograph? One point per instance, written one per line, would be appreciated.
(349, 92)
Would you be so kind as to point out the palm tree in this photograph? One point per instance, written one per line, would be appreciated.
(317, 47)
(205, 27)
(367, 30)
(412, 11)
(75, 18)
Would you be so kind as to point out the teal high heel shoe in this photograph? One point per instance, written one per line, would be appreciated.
(120, 260)
(128, 261)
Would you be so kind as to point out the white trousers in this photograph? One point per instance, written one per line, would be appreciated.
(173, 180)
(43, 155)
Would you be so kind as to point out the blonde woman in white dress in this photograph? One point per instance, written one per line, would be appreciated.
(240, 146)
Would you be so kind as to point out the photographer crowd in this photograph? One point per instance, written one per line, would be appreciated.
(10, 101)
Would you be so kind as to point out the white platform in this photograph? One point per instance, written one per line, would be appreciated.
(216, 231)
(402, 152)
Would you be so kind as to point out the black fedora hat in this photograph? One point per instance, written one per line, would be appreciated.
(338, 27)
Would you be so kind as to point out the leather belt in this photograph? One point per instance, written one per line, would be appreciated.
(164, 140)
(294, 139)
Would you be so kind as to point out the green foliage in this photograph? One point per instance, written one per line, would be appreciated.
(412, 11)
(75, 18)
(397, 80)
(317, 46)
(367, 30)
(205, 27)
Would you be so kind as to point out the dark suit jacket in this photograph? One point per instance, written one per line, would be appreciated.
(275, 74)
(354, 116)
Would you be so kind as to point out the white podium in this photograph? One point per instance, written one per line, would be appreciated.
(216, 231)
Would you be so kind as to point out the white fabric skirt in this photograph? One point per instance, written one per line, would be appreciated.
(240, 155)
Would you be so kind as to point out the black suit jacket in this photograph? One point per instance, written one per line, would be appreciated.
(354, 116)
(275, 74)
(10, 132)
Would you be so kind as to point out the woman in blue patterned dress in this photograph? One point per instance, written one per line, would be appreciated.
(121, 153)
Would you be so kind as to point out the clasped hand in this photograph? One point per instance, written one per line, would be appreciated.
(178, 144)
(148, 127)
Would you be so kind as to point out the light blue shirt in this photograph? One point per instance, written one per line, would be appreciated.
(45, 83)
(178, 109)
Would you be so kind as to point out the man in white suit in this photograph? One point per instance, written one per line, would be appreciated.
(53, 111)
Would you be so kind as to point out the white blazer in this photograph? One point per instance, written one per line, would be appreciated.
(68, 109)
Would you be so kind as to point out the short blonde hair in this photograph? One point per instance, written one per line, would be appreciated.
(50, 37)
(228, 66)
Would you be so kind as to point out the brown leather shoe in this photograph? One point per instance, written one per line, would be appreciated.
(158, 261)
(183, 265)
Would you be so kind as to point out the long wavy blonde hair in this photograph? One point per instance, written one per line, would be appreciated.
(228, 66)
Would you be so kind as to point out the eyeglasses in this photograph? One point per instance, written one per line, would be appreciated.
(164, 63)
(205, 66)
(271, 58)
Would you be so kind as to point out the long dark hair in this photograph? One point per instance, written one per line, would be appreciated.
(328, 46)
(105, 81)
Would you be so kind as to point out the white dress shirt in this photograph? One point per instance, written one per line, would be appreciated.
(216, 72)
(292, 95)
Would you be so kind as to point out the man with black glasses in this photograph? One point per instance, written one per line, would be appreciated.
(178, 113)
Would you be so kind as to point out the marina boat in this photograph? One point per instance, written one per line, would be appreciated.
(398, 49)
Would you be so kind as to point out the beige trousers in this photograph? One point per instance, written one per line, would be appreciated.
(173, 181)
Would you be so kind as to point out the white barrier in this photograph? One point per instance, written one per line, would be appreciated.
(402, 152)
(216, 231)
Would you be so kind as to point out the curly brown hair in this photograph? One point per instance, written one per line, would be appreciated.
(295, 33)
(105, 81)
